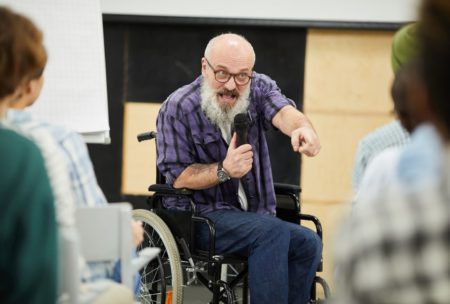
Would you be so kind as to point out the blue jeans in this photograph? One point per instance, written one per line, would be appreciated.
(116, 276)
(282, 257)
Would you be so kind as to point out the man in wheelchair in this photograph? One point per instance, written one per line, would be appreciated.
(232, 178)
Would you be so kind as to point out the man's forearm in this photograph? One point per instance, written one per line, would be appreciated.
(198, 177)
(288, 119)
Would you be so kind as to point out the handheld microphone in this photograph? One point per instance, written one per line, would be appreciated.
(241, 128)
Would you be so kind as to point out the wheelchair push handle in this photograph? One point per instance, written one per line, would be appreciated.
(146, 136)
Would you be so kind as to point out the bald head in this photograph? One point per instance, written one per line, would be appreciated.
(232, 45)
(227, 69)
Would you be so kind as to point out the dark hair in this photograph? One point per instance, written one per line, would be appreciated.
(399, 88)
(434, 35)
(403, 87)
(22, 53)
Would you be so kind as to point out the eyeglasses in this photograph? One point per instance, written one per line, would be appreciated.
(223, 76)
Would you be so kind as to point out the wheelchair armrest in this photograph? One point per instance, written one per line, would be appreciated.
(315, 220)
(287, 189)
(164, 189)
(287, 196)
(168, 190)
(212, 233)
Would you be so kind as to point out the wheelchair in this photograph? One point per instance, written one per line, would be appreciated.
(181, 264)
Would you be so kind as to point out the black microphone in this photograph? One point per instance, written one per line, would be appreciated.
(241, 128)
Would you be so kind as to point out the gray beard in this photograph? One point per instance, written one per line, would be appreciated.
(222, 118)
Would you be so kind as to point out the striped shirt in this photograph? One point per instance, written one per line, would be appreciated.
(186, 136)
(71, 174)
(55, 165)
(78, 163)
(389, 135)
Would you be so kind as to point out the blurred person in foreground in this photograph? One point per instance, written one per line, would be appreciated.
(28, 235)
(396, 250)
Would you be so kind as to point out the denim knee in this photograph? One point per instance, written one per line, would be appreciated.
(274, 231)
(314, 244)
(304, 242)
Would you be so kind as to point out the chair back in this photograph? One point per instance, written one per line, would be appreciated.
(68, 267)
(106, 235)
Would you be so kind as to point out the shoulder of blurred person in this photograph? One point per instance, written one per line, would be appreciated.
(54, 160)
(422, 162)
(379, 173)
(72, 153)
(387, 136)
(409, 167)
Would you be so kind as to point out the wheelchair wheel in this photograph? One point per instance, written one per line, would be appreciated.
(326, 288)
(162, 278)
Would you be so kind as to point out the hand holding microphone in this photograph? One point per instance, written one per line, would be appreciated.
(239, 159)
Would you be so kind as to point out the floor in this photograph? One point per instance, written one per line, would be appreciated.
(197, 295)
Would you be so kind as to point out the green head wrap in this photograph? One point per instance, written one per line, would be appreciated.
(404, 46)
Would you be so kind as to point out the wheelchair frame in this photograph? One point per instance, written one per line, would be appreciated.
(162, 230)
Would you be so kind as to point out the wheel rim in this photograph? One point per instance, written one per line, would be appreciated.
(156, 276)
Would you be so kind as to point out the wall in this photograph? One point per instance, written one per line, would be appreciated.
(312, 10)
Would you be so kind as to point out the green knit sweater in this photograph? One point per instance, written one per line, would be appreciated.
(28, 236)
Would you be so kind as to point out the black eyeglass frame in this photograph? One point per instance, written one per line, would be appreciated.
(229, 75)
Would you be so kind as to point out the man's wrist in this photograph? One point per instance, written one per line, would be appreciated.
(222, 174)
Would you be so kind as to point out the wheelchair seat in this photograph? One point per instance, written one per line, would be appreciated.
(207, 267)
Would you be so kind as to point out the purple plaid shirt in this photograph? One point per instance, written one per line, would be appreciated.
(186, 136)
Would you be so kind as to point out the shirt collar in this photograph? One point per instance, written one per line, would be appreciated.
(18, 116)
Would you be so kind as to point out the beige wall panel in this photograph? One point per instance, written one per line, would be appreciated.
(139, 159)
(348, 71)
(327, 177)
